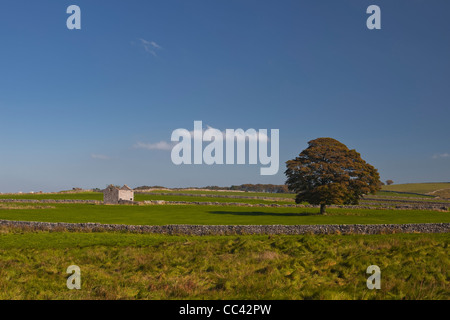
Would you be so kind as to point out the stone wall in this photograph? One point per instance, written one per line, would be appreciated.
(200, 230)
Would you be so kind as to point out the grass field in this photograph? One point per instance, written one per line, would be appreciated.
(215, 215)
(136, 266)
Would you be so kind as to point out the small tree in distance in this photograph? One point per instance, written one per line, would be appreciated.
(389, 182)
(327, 172)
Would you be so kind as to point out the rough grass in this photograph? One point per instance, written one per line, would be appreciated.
(217, 215)
(136, 266)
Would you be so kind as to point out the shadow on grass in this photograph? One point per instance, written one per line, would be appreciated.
(259, 213)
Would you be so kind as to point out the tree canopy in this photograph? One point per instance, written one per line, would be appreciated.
(327, 172)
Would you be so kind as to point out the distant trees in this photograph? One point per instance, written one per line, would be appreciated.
(327, 172)
(149, 187)
(248, 187)
(272, 188)
(389, 182)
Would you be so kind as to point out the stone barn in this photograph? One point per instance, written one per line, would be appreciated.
(115, 195)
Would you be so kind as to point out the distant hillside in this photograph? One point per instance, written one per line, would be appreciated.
(434, 188)
(269, 188)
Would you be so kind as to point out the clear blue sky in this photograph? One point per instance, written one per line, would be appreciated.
(74, 103)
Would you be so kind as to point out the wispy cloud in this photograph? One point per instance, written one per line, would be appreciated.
(99, 156)
(162, 145)
(441, 155)
(150, 46)
(193, 134)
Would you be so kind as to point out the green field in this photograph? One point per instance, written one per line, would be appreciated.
(138, 266)
(214, 215)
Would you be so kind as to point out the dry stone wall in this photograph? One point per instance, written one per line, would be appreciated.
(200, 230)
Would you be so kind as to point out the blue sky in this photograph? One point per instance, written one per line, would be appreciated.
(74, 103)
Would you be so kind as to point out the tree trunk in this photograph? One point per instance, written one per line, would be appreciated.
(322, 209)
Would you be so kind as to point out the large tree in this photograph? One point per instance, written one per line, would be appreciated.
(327, 172)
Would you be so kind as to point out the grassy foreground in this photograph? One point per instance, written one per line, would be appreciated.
(138, 266)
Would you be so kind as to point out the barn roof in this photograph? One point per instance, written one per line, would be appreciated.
(113, 187)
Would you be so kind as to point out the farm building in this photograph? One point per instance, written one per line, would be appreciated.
(114, 195)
